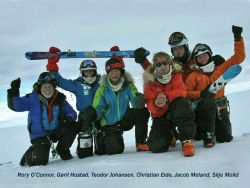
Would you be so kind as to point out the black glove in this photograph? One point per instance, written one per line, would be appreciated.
(140, 100)
(140, 56)
(206, 93)
(218, 60)
(14, 87)
(68, 121)
(237, 32)
(15, 84)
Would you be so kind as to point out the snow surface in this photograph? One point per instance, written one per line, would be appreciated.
(224, 158)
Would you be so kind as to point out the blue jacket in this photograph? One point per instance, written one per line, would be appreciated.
(38, 120)
(110, 106)
(83, 91)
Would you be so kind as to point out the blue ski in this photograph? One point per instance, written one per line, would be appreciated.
(83, 54)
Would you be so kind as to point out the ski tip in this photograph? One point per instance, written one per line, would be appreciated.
(28, 55)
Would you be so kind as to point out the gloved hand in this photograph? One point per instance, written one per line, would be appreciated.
(140, 56)
(205, 93)
(52, 62)
(14, 87)
(68, 121)
(140, 100)
(237, 32)
(218, 60)
(15, 84)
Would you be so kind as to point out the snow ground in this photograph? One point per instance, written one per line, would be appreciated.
(232, 158)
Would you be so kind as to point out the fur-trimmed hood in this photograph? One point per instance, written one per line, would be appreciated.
(148, 75)
(128, 79)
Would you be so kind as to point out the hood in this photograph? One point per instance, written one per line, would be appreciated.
(148, 75)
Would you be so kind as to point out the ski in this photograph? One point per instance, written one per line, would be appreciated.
(83, 54)
(226, 77)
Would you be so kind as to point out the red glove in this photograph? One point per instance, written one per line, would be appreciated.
(52, 62)
(116, 48)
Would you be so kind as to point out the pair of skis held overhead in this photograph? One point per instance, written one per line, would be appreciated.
(226, 77)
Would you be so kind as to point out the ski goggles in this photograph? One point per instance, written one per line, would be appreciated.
(88, 63)
(201, 49)
(159, 64)
(49, 78)
(177, 40)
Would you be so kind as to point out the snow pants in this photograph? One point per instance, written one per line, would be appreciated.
(109, 139)
(177, 122)
(38, 152)
(223, 128)
(212, 116)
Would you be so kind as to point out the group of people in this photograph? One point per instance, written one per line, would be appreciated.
(176, 96)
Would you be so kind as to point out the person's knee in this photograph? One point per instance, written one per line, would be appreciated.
(114, 143)
(158, 147)
(38, 155)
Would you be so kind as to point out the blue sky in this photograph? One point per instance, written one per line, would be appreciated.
(28, 25)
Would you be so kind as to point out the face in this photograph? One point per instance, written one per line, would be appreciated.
(47, 90)
(164, 68)
(178, 51)
(88, 73)
(114, 76)
(203, 59)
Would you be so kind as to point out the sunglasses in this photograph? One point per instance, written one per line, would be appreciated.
(159, 64)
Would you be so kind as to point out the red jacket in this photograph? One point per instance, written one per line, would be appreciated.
(175, 88)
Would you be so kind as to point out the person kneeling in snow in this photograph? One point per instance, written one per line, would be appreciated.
(50, 119)
(84, 88)
(172, 113)
(112, 106)
(212, 115)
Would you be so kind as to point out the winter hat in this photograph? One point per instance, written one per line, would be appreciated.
(88, 64)
(177, 39)
(116, 48)
(46, 77)
(201, 49)
(114, 63)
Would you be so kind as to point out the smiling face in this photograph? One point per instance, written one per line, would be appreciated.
(114, 76)
(47, 90)
(88, 73)
(162, 65)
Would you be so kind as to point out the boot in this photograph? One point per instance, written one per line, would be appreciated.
(64, 154)
(209, 140)
(188, 148)
(142, 146)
